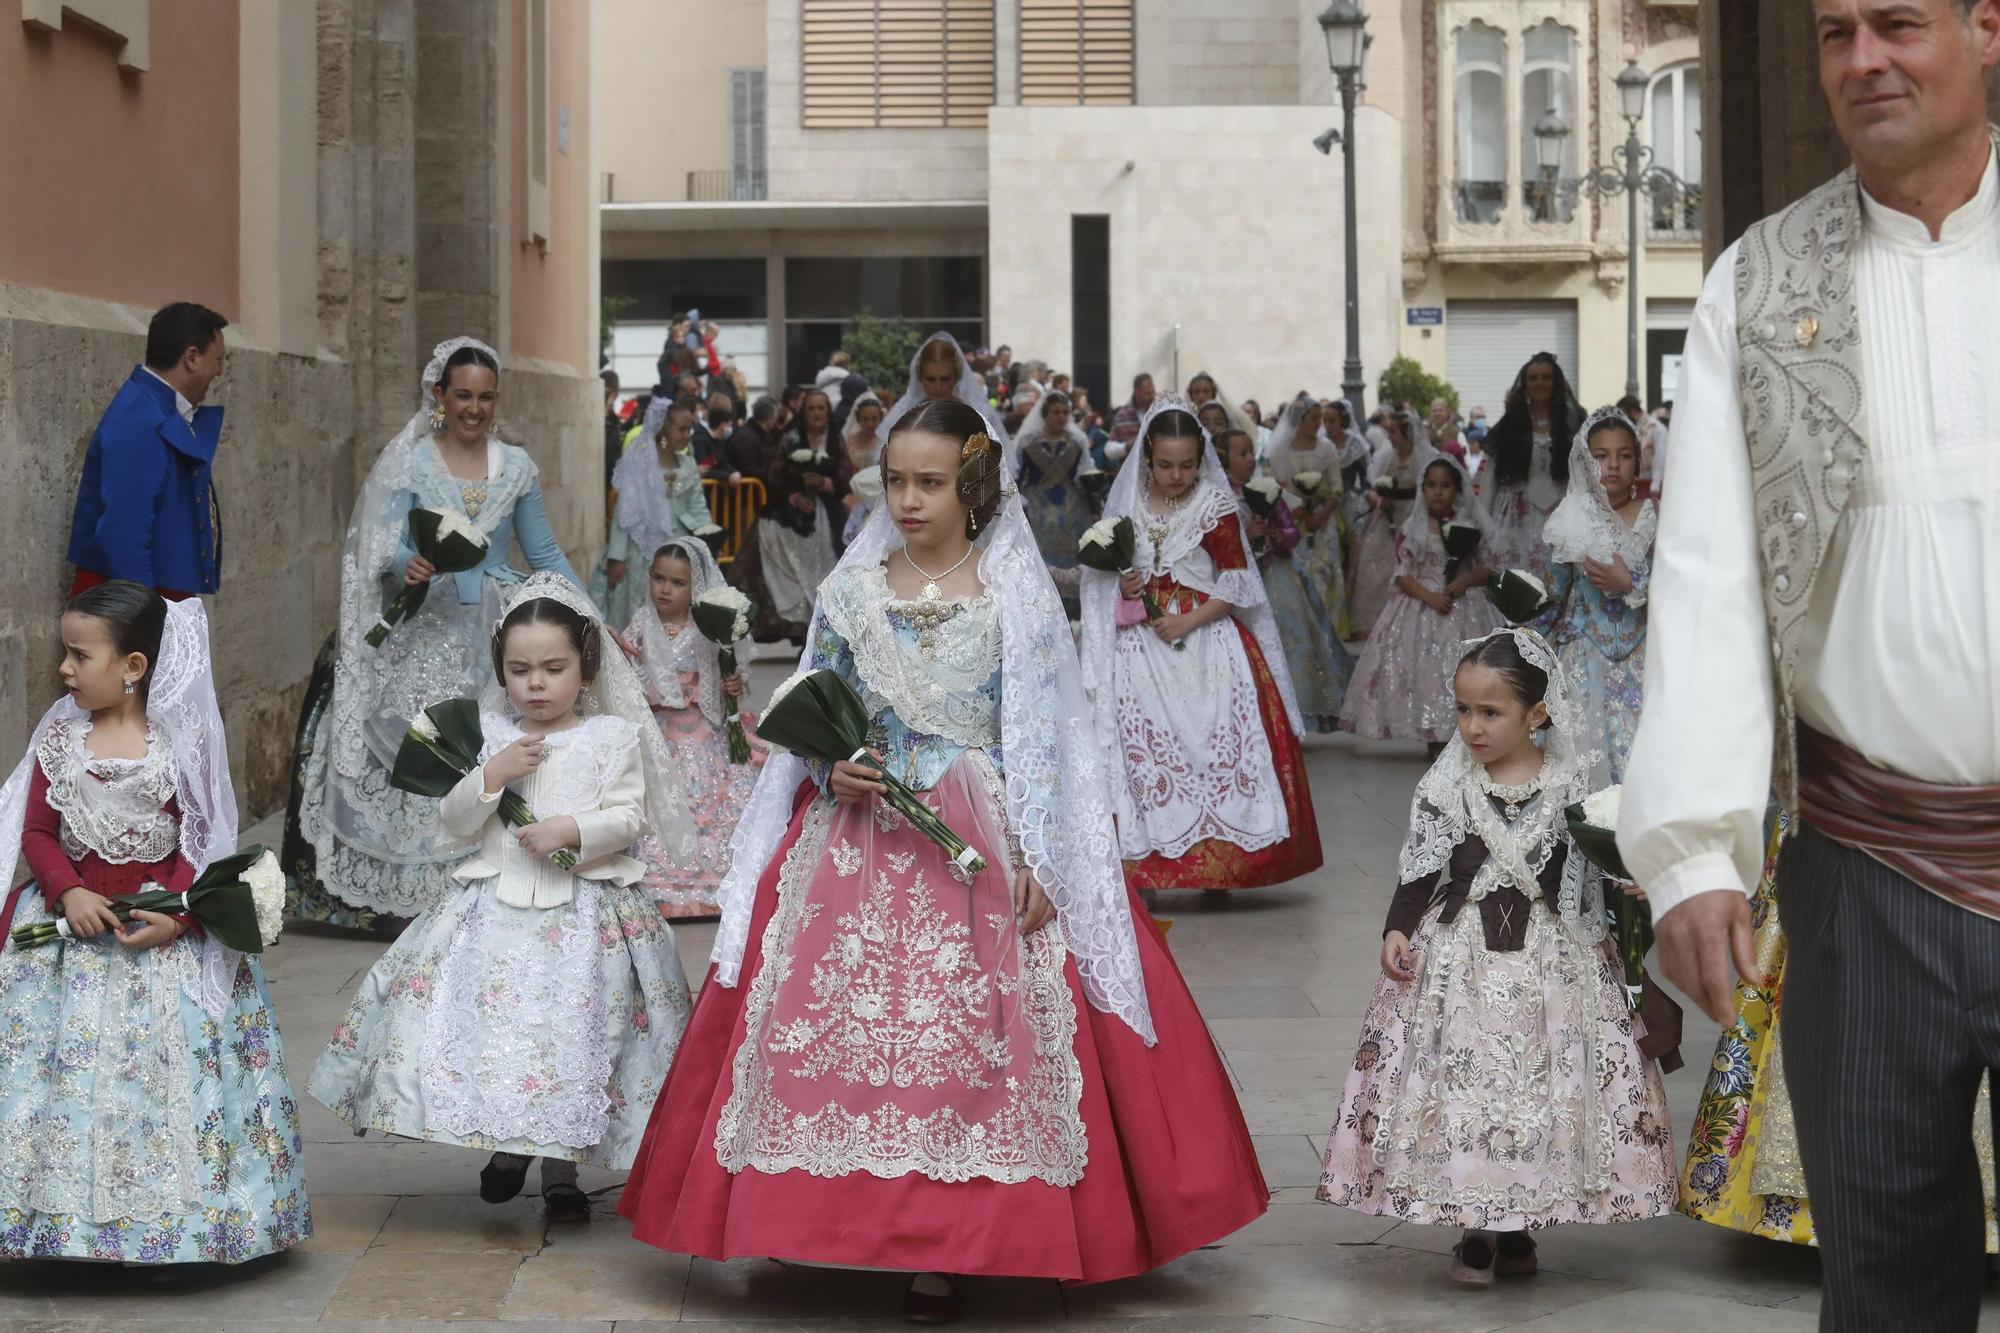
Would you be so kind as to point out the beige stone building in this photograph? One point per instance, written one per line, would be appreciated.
(1495, 265)
(350, 181)
(1116, 187)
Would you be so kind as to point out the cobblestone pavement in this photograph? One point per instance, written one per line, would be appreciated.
(1283, 975)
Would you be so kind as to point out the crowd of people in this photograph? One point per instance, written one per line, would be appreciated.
(942, 1033)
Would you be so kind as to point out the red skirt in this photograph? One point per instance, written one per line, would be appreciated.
(1214, 863)
(1171, 1167)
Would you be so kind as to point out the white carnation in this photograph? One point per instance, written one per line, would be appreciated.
(1265, 487)
(1541, 589)
(453, 524)
(422, 726)
(731, 598)
(785, 687)
(1099, 533)
(1308, 481)
(267, 895)
(1600, 809)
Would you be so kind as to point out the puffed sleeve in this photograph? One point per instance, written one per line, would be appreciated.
(1224, 544)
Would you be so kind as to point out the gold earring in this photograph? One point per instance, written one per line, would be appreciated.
(128, 687)
(437, 418)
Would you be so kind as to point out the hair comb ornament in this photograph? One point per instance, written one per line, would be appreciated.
(976, 444)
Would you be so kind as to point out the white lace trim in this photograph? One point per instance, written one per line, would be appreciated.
(938, 688)
(113, 807)
(1584, 526)
(1039, 1133)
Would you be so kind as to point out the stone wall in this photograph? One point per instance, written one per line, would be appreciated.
(287, 432)
(1218, 53)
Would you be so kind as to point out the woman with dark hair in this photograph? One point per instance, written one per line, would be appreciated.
(901, 1064)
(1195, 703)
(1055, 458)
(358, 851)
(1529, 471)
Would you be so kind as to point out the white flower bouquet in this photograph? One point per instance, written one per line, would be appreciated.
(239, 901)
(723, 616)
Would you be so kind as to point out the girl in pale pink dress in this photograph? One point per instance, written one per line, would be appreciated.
(1499, 1085)
(685, 685)
(1402, 685)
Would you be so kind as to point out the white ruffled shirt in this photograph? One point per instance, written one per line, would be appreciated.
(1898, 658)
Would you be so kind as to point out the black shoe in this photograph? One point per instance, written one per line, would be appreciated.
(499, 1182)
(930, 1307)
(564, 1202)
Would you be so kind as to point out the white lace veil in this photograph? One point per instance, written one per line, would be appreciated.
(180, 703)
(970, 390)
(616, 690)
(850, 429)
(645, 510)
(1286, 462)
(1450, 803)
(1211, 500)
(1058, 789)
(1036, 422)
(1584, 526)
(1468, 508)
(663, 658)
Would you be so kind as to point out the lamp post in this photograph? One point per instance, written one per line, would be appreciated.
(1632, 174)
(1344, 26)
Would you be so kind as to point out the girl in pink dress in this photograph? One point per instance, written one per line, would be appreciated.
(894, 1064)
(685, 686)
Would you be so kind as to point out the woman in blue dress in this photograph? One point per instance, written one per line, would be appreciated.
(1600, 541)
(1055, 457)
(359, 852)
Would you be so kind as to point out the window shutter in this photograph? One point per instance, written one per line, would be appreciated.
(896, 64)
(1076, 52)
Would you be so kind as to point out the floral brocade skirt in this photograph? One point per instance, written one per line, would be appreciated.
(716, 792)
(1318, 661)
(134, 1127)
(1501, 1090)
(544, 1031)
(1743, 1170)
(901, 1081)
(1402, 684)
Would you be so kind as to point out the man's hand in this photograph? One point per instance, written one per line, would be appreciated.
(1697, 940)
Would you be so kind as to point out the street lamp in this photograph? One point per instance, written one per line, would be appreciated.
(1550, 133)
(1631, 174)
(1345, 28)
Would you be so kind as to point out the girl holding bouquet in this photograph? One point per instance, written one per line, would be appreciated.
(148, 1117)
(1600, 541)
(1299, 447)
(534, 1012)
(1498, 1085)
(1402, 685)
(1318, 660)
(659, 496)
(684, 682)
(359, 852)
(1212, 790)
(1018, 1066)
(1393, 475)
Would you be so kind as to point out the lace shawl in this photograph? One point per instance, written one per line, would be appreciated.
(1584, 526)
(1212, 500)
(1452, 802)
(1057, 786)
(941, 692)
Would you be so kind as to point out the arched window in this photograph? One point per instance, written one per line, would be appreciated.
(1548, 83)
(1480, 92)
(1673, 132)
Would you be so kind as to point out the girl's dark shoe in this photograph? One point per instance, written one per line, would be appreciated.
(501, 1179)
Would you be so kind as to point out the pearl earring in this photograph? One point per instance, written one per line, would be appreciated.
(128, 687)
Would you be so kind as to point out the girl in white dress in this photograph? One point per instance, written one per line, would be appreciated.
(1213, 792)
(533, 1014)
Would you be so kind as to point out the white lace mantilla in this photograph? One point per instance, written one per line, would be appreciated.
(898, 1001)
(116, 808)
(938, 686)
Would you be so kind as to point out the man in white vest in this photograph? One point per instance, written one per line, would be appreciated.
(1825, 625)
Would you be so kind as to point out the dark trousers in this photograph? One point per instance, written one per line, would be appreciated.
(1891, 1017)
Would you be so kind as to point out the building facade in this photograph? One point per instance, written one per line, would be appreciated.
(1499, 260)
(350, 182)
(1113, 187)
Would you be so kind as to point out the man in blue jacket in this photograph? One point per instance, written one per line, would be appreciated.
(145, 508)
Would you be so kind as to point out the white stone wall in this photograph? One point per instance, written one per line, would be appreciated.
(1226, 221)
(1217, 52)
